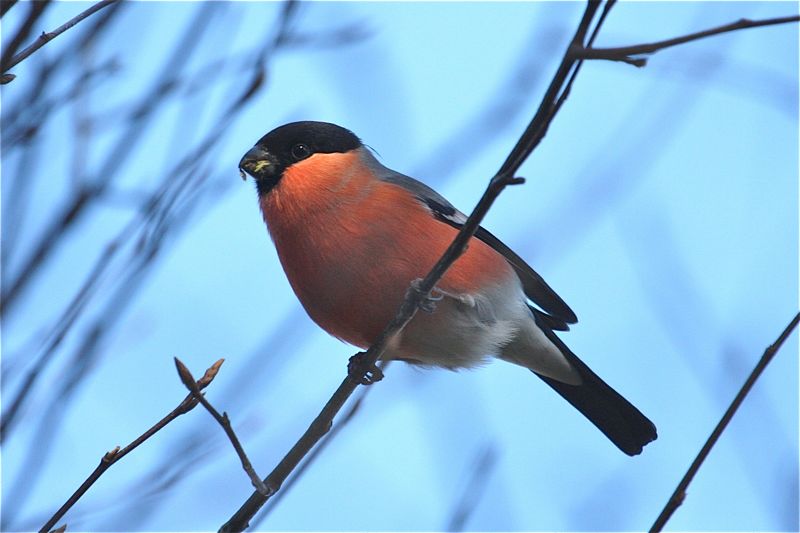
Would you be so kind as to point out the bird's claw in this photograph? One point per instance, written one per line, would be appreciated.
(428, 302)
(361, 371)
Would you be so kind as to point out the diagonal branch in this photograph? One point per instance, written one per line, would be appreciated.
(116, 454)
(678, 496)
(36, 11)
(345, 419)
(626, 53)
(46, 37)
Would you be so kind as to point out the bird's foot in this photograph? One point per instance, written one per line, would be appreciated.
(428, 303)
(360, 371)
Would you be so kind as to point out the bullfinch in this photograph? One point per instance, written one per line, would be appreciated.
(352, 235)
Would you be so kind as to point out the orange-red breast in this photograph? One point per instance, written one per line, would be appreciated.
(352, 235)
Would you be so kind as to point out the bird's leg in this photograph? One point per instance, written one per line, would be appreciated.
(428, 303)
(359, 371)
(464, 299)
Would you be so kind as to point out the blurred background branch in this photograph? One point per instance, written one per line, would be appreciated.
(484, 465)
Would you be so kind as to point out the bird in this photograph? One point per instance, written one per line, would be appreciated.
(352, 236)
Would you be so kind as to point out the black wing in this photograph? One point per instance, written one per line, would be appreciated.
(559, 314)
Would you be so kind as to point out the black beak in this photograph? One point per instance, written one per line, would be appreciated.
(260, 164)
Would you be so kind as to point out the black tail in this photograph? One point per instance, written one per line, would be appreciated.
(620, 421)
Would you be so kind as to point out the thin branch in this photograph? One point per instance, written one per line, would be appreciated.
(626, 53)
(537, 129)
(224, 421)
(679, 495)
(116, 454)
(318, 428)
(418, 294)
(36, 11)
(46, 37)
(565, 93)
(343, 421)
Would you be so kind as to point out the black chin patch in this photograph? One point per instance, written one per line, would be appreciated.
(266, 184)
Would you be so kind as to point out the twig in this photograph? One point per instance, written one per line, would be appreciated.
(46, 37)
(343, 421)
(36, 11)
(418, 293)
(116, 454)
(565, 93)
(318, 428)
(679, 495)
(626, 53)
(224, 421)
(537, 129)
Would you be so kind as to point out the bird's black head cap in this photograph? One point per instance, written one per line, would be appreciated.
(288, 144)
(319, 137)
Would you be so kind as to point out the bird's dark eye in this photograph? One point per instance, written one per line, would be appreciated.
(300, 151)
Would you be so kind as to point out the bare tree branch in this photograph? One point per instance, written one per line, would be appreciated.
(116, 454)
(679, 495)
(626, 53)
(565, 93)
(46, 37)
(36, 11)
(344, 420)
(223, 420)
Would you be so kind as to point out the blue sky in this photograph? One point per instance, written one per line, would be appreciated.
(662, 206)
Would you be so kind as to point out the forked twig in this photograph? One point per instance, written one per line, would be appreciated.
(116, 454)
(626, 53)
(224, 421)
